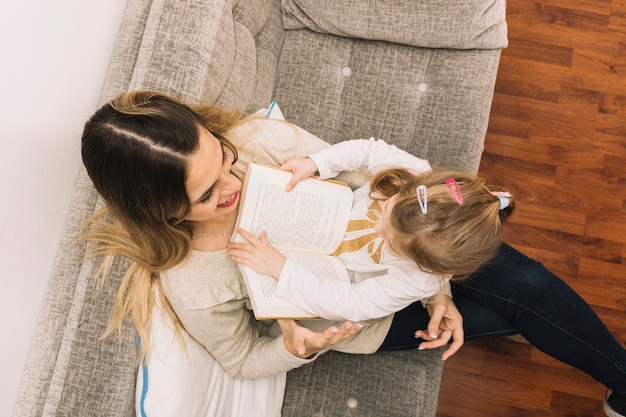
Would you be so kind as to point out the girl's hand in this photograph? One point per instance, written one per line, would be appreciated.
(303, 342)
(301, 168)
(258, 254)
(445, 323)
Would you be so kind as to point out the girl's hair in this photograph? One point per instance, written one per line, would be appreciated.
(136, 149)
(449, 238)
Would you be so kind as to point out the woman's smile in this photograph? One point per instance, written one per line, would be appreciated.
(230, 200)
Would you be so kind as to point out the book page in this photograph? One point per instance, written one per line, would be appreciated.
(262, 288)
(312, 217)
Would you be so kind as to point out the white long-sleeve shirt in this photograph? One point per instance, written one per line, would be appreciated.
(381, 283)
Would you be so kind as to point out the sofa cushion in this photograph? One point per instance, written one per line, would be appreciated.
(433, 103)
(459, 24)
(387, 384)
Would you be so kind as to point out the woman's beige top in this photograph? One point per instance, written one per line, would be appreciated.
(209, 297)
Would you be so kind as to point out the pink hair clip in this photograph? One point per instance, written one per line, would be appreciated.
(422, 197)
(454, 188)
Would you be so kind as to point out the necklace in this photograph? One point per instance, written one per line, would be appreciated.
(213, 234)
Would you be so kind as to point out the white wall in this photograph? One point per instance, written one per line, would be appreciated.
(53, 60)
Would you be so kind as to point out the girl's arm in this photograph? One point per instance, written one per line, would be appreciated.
(352, 155)
(371, 298)
(373, 155)
(258, 254)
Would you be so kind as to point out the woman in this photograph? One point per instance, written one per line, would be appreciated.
(164, 172)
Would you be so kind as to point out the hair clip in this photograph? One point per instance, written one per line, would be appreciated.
(504, 197)
(454, 188)
(422, 197)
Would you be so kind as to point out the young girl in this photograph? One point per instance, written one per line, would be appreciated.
(411, 230)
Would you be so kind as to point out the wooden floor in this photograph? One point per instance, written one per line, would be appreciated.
(557, 138)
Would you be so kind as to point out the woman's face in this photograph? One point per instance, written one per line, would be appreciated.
(212, 189)
(384, 228)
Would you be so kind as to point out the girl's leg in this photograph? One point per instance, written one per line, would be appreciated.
(548, 313)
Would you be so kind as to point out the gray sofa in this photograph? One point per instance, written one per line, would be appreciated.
(420, 75)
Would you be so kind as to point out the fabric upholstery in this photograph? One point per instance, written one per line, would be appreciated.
(456, 24)
(200, 51)
(429, 102)
(377, 382)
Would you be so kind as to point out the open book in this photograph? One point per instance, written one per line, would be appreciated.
(306, 224)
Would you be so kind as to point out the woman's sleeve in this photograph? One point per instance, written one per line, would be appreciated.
(371, 154)
(369, 299)
(229, 332)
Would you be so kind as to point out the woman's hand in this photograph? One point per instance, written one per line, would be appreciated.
(303, 342)
(300, 168)
(445, 323)
(258, 254)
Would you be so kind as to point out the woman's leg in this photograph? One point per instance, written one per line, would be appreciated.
(549, 314)
(484, 322)
(516, 294)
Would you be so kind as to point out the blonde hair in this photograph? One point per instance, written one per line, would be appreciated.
(136, 149)
(449, 238)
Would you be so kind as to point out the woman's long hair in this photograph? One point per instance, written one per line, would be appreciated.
(449, 238)
(135, 150)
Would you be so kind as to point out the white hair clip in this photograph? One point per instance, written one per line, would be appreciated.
(422, 197)
(504, 197)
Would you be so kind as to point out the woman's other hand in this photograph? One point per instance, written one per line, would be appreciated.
(445, 323)
(257, 254)
(300, 168)
(303, 342)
